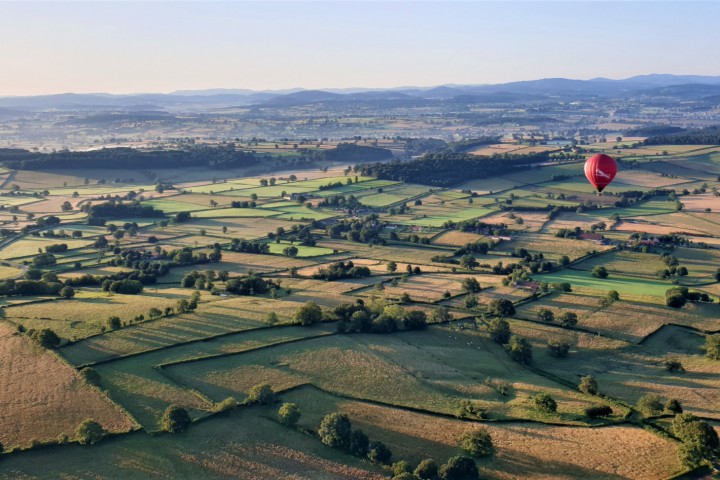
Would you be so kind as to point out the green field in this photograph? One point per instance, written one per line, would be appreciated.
(625, 285)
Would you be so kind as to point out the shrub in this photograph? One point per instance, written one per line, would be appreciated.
(89, 432)
(67, 292)
(558, 349)
(477, 443)
(700, 440)
(673, 407)
(546, 315)
(597, 411)
(544, 403)
(519, 349)
(650, 405)
(599, 272)
(379, 453)
(175, 419)
(228, 404)
(403, 466)
(90, 375)
(712, 346)
(289, 414)
(499, 330)
(427, 470)
(359, 443)
(308, 314)
(335, 431)
(459, 468)
(568, 319)
(114, 322)
(261, 394)
(672, 364)
(415, 320)
(588, 385)
(46, 338)
(470, 409)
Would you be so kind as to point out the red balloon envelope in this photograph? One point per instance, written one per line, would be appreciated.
(600, 169)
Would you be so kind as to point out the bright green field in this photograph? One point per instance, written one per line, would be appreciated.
(174, 206)
(624, 285)
(455, 216)
(653, 207)
(303, 251)
(234, 212)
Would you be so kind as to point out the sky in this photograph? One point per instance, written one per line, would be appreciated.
(163, 46)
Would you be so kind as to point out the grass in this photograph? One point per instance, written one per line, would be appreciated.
(234, 213)
(652, 207)
(629, 286)
(42, 397)
(241, 445)
(303, 250)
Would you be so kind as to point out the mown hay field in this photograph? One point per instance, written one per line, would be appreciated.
(525, 450)
(241, 445)
(42, 397)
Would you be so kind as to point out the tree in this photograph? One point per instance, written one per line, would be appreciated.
(650, 405)
(261, 394)
(114, 322)
(359, 443)
(471, 285)
(335, 430)
(415, 320)
(290, 251)
(400, 468)
(477, 443)
(499, 330)
(519, 349)
(45, 337)
(289, 414)
(558, 348)
(67, 292)
(546, 315)
(391, 267)
(89, 432)
(379, 453)
(544, 403)
(427, 469)
(441, 315)
(700, 440)
(599, 272)
(588, 385)
(673, 407)
(568, 319)
(501, 307)
(468, 262)
(308, 314)
(175, 419)
(712, 346)
(459, 468)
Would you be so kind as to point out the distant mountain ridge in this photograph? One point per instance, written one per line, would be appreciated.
(681, 86)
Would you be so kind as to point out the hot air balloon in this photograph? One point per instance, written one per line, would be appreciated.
(600, 170)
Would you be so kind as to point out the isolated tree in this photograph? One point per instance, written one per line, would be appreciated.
(588, 385)
(477, 443)
(544, 403)
(175, 419)
(519, 349)
(499, 330)
(335, 430)
(290, 251)
(459, 468)
(568, 319)
(90, 375)
(67, 292)
(261, 394)
(308, 314)
(558, 349)
(546, 315)
(599, 272)
(46, 338)
(289, 414)
(650, 405)
(89, 432)
(391, 267)
(501, 307)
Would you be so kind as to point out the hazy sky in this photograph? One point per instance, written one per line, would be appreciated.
(161, 46)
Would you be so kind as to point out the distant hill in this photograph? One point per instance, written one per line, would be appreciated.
(679, 86)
